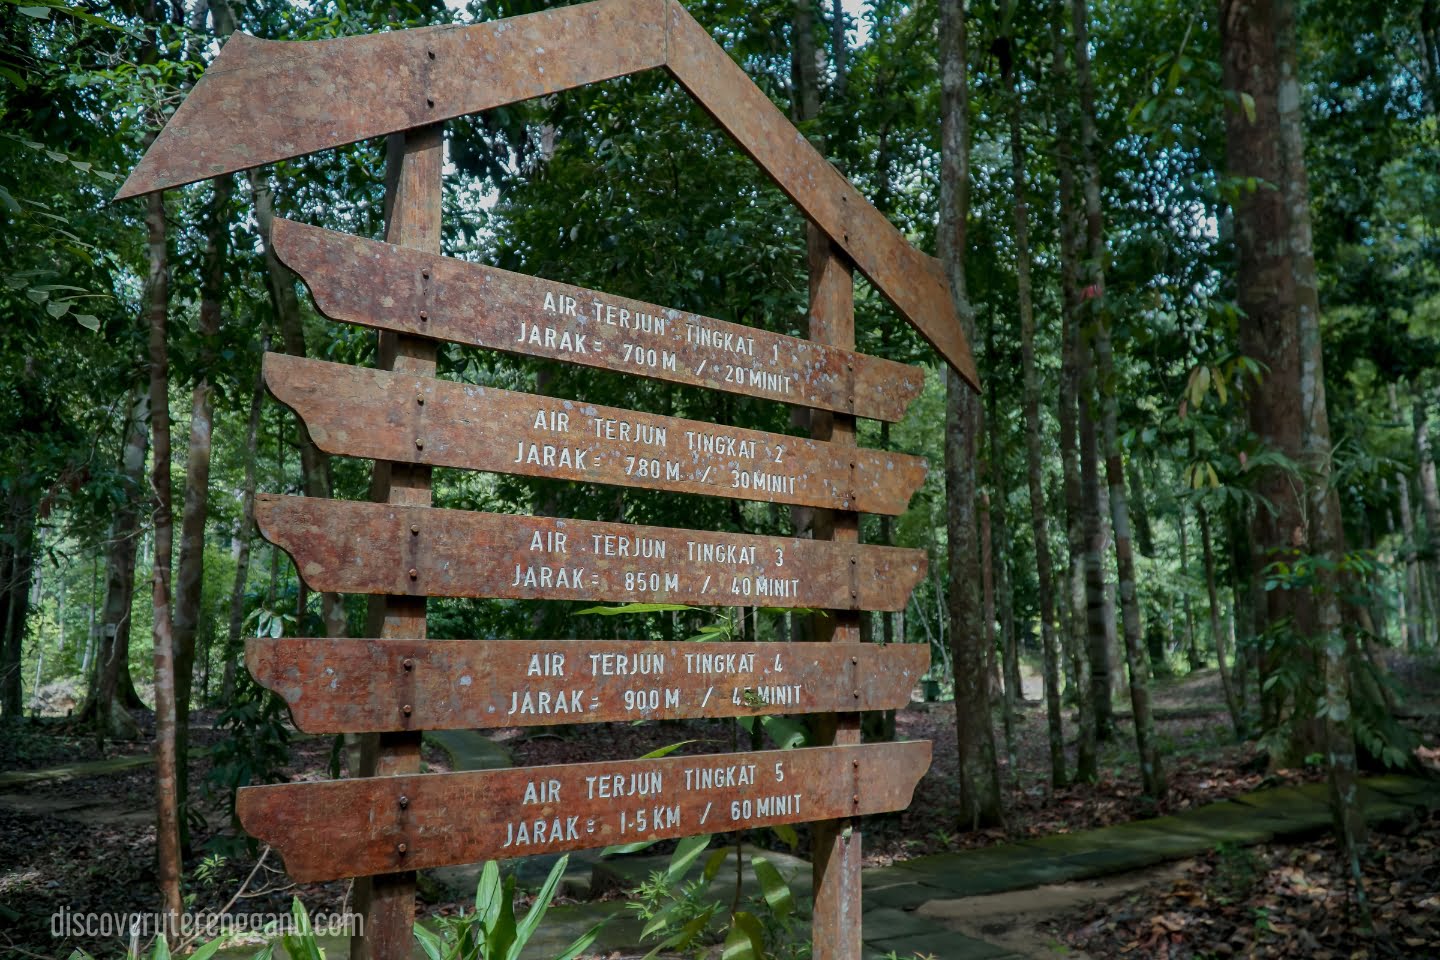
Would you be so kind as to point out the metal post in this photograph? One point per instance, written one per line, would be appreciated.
(835, 925)
(386, 903)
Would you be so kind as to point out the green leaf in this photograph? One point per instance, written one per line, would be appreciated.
(89, 321)
(39, 13)
(58, 308)
(162, 949)
(487, 895)
(625, 848)
(773, 886)
(633, 608)
(8, 201)
(753, 929)
(787, 835)
(686, 853)
(499, 938)
(738, 945)
(661, 919)
(208, 950)
(302, 945)
(713, 863)
(526, 928)
(1199, 383)
(18, 79)
(665, 751)
(582, 942)
(429, 942)
(686, 934)
(1247, 103)
(787, 733)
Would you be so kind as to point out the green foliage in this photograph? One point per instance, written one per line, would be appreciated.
(492, 932)
(679, 912)
(256, 745)
(1296, 679)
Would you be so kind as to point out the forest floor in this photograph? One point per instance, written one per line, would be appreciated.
(86, 843)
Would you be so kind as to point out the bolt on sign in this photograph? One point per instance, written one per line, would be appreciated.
(260, 102)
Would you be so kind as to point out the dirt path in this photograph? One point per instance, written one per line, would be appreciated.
(1014, 920)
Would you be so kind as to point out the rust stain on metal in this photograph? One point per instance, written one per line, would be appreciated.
(345, 828)
(477, 305)
(348, 547)
(899, 271)
(263, 101)
(362, 412)
(363, 686)
(266, 100)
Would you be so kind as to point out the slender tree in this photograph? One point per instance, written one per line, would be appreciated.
(1152, 773)
(243, 538)
(1410, 596)
(167, 794)
(1034, 463)
(190, 573)
(1092, 697)
(110, 696)
(979, 772)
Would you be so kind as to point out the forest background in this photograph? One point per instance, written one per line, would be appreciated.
(1194, 247)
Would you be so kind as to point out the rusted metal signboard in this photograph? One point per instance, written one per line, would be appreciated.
(347, 547)
(262, 101)
(361, 412)
(469, 303)
(349, 828)
(362, 686)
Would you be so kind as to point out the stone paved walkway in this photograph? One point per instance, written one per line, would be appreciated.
(893, 894)
(11, 779)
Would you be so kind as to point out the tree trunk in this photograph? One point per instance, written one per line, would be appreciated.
(1245, 592)
(1279, 298)
(1326, 533)
(806, 68)
(1144, 534)
(1034, 463)
(111, 718)
(1193, 656)
(987, 594)
(1071, 384)
(243, 536)
(167, 798)
(888, 620)
(1152, 774)
(979, 773)
(1411, 594)
(999, 604)
(1429, 497)
(190, 574)
(1099, 611)
(1217, 633)
(17, 570)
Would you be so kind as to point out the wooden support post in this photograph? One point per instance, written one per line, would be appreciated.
(835, 929)
(386, 903)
